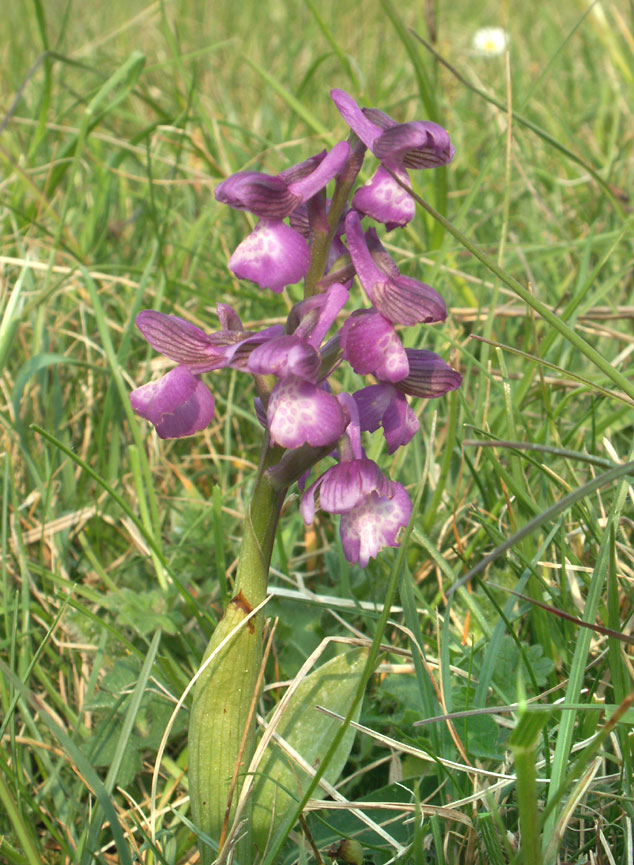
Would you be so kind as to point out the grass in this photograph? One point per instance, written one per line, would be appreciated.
(118, 550)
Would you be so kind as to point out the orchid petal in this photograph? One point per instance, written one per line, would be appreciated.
(345, 485)
(328, 168)
(287, 355)
(384, 200)
(180, 340)
(302, 169)
(419, 144)
(229, 318)
(178, 404)
(404, 300)
(302, 413)
(313, 317)
(371, 345)
(429, 376)
(237, 354)
(374, 524)
(400, 299)
(383, 405)
(272, 256)
(261, 194)
(355, 118)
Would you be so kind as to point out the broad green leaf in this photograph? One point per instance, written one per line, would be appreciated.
(281, 782)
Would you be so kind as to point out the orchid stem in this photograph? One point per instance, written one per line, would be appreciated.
(259, 530)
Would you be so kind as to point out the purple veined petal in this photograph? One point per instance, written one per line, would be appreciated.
(284, 356)
(355, 118)
(404, 300)
(400, 299)
(260, 411)
(367, 269)
(302, 413)
(325, 171)
(429, 375)
(383, 200)
(380, 255)
(312, 318)
(273, 256)
(374, 524)
(301, 483)
(383, 405)
(237, 354)
(419, 144)
(371, 346)
(229, 318)
(299, 221)
(350, 446)
(307, 501)
(345, 485)
(399, 422)
(261, 194)
(180, 340)
(336, 252)
(372, 403)
(302, 169)
(379, 118)
(178, 404)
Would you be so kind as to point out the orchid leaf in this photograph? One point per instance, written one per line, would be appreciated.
(307, 732)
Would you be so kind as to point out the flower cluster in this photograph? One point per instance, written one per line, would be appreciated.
(325, 244)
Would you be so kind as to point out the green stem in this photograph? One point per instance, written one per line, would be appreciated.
(321, 240)
(259, 530)
(527, 797)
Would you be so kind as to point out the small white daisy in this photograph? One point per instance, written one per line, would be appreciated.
(490, 41)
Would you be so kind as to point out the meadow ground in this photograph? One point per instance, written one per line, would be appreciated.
(117, 120)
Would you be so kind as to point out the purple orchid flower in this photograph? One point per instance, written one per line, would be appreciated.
(371, 345)
(399, 146)
(400, 299)
(179, 404)
(373, 509)
(292, 365)
(385, 404)
(275, 255)
(300, 411)
(374, 524)
(429, 375)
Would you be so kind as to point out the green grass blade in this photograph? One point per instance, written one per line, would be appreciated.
(126, 731)
(21, 827)
(618, 379)
(78, 758)
(334, 44)
(523, 121)
(293, 103)
(549, 514)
